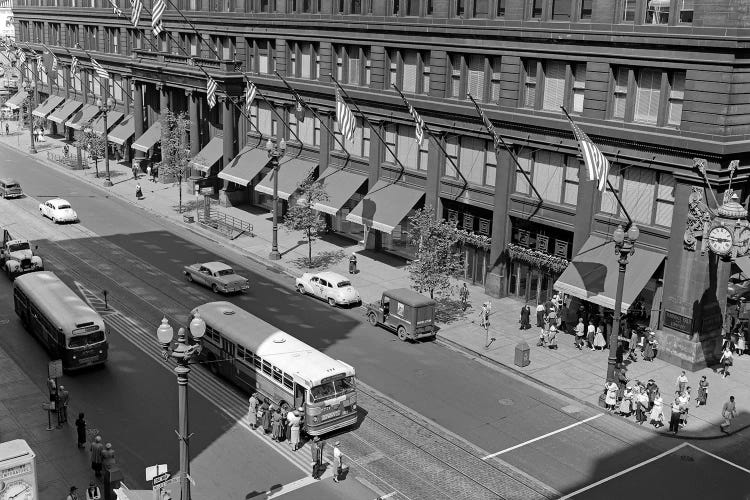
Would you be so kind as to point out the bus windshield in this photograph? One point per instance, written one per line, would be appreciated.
(332, 389)
(84, 340)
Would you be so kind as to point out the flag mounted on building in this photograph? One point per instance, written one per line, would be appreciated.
(595, 161)
(74, 65)
(345, 118)
(21, 56)
(157, 25)
(135, 14)
(40, 65)
(250, 91)
(418, 122)
(115, 9)
(100, 71)
(211, 87)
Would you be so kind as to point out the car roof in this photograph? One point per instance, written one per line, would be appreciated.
(216, 266)
(409, 297)
(57, 201)
(8, 180)
(331, 276)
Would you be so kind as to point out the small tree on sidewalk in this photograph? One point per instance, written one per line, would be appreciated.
(87, 140)
(438, 258)
(301, 216)
(175, 155)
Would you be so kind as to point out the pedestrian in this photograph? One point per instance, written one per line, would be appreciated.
(726, 361)
(52, 388)
(728, 411)
(610, 398)
(656, 415)
(484, 316)
(674, 418)
(338, 463)
(252, 411)
(463, 295)
(540, 312)
(108, 457)
(294, 425)
(276, 425)
(702, 397)
(64, 399)
(580, 332)
(353, 263)
(138, 192)
(633, 344)
(96, 449)
(7, 129)
(135, 172)
(682, 382)
(148, 173)
(684, 398)
(649, 350)
(72, 495)
(590, 334)
(625, 405)
(525, 317)
(81, 430)
(652, 390)
(265, 419)
(599, 340)
(317, 457)
(288, 419)
(93, 492)
(741, 342)
(552, 337)
(642, 401)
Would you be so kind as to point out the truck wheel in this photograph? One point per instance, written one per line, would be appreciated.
(189, 277)
(372, 319)
(402, 333)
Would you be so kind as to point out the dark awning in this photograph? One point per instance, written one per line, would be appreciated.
(245, 166)
(385, 206)
(292, 173)
(45, 108)
(209, 155)
(592, 275)
(65, 111)
(16, 101)
(112, 118)
(123, 131)
(149, 138)
(82, 117)
(339, 185)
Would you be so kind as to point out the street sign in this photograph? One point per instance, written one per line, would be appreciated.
(154, 470)
(160, 478)
(55, 368)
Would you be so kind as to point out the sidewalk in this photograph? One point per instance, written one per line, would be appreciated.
(578, 374)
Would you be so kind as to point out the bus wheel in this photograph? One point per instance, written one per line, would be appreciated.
(402, 333)
(372, 319)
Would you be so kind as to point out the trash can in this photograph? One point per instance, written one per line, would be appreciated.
(522, 354)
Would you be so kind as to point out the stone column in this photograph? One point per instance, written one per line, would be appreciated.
(496, 284)
(195, 138)
(138, 121)
(163, 108)
(435, 162)
(373, 239)
(228, 127)
(588, 199)
(327, 141)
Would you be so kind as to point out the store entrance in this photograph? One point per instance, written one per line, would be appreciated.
(475, 264)
(529, 283)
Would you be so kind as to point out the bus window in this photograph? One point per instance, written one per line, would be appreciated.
(84, 340)
(276, 374)
(266, 367)
(288, 381)
(344, 385)
(299, 395)
(321, 392)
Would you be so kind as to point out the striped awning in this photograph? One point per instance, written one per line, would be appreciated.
(45, 108)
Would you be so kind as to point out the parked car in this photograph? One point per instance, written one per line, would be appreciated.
(328, 286)
(58, 210)
(218, 276)
(410, 314)
(10, 188)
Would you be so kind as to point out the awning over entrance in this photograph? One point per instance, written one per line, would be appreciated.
(149, 138)
(65, 111)
(245, 166)
(339, 185)
(112, 118)
(16, 101)
(291, 174)
(209, 155)
(593, 273)
(45, 108)
(82, 117)
(384, 206)
(123, 131)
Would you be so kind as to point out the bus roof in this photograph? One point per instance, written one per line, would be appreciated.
(57, 301)
(279, 348)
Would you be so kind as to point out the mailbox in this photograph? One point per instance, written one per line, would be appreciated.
(522, 354)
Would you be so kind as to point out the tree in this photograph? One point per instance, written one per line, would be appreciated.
(438, 258)
(301, 216)
(175, 155)
(89, 141)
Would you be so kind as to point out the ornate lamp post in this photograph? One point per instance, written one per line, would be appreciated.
(106, 108)
(624, 247)
(274, 153)
(31, 89)
(183, 352)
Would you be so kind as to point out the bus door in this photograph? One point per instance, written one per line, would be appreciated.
(300, 395)
(226, 355)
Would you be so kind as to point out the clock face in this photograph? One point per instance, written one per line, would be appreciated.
(720, 240)
(17, 490)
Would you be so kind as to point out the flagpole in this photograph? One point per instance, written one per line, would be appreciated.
(364, 117)
(78, 46)
(498, 138)
(611, 188)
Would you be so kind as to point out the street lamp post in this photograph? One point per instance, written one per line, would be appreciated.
(183, 352)
(31, 89)
(274, 153)
(624, 247)
(106, 108)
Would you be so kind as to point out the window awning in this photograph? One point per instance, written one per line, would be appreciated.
(209, 155)
(339, 185)
(149, 138)
(82, 117)
(292, 173)
(385, 206)
(65, 111)
(245, 166)
(112, 118)
(592, 275)
(16, 101)
(123, 131)
(45, 108)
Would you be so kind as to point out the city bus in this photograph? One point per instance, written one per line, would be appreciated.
(259, 357)
(69, 329)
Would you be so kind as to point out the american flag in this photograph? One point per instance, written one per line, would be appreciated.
(250, 91)
(40, 65)
(135, 15)
(21, 56)
(99, 69)
(593, 158)
(345, 117)
(418, 122)
(157, 26)
(74, 65)
(211, 87)
(115, 9)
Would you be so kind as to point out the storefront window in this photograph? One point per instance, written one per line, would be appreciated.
(398, 240)
(340, 225)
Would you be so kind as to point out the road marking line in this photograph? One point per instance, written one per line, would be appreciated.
(286, 488)
(636, 466)
(542, 437)
(717, 457)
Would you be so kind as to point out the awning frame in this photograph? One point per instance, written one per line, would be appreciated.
(153, 134)
(239, 165)
(70, 107)
(207, 157)
(282, 193)
(347, 180)
(126, 126)
(410, 195)
(50, 104)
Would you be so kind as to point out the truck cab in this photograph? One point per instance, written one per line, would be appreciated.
(408, 313)
(17, 257)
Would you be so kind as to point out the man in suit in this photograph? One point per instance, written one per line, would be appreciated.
(317, 458)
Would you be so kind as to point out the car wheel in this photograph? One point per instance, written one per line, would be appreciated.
(402, 333)
(301, 289)
(189, 277)
(215, 288)
(372, 319)
(331, 302)
(54, 219)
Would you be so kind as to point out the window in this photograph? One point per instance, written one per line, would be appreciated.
(135, 40)
(38, 32)
(481, 8)
(529, 87)
(460, 8)
(474, 157)
(551, 84)
(223, 47)
(264, 119)
(586, 6)
(112, 40)
(54, 34)
(579, 86)
(686, 10)
(260, 56)
(401, 140)
(306, 6)
(409, 70)
(304, 60)
(360, 146)
(561, 10)
(277, 374)
(308, 129)
(647, 195)
(657, 12)
(620, 93)
(537, 9)
(406, 7)
(554, 85)
(648, 95)
(266, 367)
(676, 96)
(267, 6)
(476, 75)
(353, 65)
(628, 11)
(500, 8)
(554, 175)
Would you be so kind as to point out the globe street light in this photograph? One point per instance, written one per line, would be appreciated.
(105, 108)
(31, 88)
(274, 153)
(183, 352)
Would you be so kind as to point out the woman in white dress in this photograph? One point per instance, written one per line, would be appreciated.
(656, 417)
(610, 399)
(625, 405)
(599, 340)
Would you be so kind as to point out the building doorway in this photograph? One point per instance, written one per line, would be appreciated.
(475, 264)
(530, 284)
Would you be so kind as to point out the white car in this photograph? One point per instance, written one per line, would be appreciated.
(328, 286)
(58, 210)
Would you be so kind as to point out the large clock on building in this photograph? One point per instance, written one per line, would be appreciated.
(729, 231)
(720, 240)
